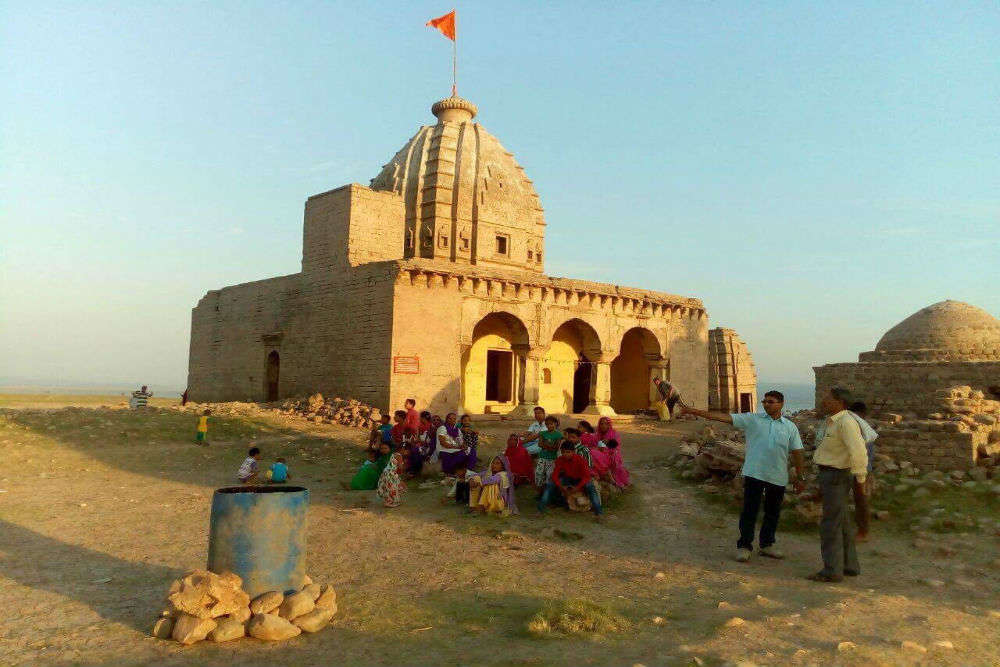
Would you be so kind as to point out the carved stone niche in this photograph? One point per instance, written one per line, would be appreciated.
(272, 339)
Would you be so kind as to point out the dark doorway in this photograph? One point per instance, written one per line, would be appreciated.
(499, 375)
(581, 385)
(745, 403)
(271, 375)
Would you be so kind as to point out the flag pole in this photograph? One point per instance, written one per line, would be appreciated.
(454, 60)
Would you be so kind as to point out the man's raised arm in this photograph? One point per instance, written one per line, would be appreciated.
(705, 414)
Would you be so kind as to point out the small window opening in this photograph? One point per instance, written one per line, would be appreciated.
(547, 375)
(531, 255)
(501, 245)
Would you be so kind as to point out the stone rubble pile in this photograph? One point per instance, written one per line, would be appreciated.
(348, 412)
(204, 605)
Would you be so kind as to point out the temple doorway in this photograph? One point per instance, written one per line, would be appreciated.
(499, 375)
(271, 375)
(745, 402)
(581, 385)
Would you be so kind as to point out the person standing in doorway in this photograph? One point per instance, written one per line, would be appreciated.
(842, 459)
(771, 440)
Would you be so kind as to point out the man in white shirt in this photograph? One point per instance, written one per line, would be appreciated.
(841, 457)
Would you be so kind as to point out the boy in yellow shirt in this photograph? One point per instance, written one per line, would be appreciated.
(202, 428)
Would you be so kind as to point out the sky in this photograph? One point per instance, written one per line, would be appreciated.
(814, 172)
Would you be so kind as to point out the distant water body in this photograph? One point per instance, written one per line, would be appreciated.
(798, 395)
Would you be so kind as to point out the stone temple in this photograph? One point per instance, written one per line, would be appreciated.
(934, 379)
(430, 284)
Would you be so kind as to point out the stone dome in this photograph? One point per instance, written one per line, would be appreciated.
(944, 331)
(466, 198)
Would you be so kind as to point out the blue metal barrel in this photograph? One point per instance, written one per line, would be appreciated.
(259, 532)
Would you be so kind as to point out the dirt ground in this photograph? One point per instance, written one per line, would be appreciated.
(100, 508)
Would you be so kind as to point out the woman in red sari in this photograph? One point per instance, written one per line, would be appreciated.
(522, 469)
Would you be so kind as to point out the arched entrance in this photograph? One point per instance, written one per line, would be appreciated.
(567, 369)
(271, 375)
(630, 379)
(492, 371)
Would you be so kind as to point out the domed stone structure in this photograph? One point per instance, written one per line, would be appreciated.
(944, 331)
(429, 285)
(466, 198)
(935, 376)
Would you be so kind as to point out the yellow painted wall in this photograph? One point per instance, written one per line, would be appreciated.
(630, 376)
(493, 334)
(561, 359)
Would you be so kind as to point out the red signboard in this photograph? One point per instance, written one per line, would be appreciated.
(406, 365)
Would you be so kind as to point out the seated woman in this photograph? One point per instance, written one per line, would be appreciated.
(619, 473)
(451, 448)
(492, 491)
(522, 468)
(366, 478)
(606, 432)
(587, 436)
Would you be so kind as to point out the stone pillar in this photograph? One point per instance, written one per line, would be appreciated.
(600, 387)
(529, 362)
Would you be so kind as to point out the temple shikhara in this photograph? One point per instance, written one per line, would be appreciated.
(430, 283)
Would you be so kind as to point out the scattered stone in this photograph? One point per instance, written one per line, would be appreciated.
(735, 622)
(313, 590)
(266, 602)
(846, 646)
(163, 627)
(243, 615)
(944, 643)
(306, 580)
(763, 601)
(315, 620)
(207, 595)
(660, 575)
(933, 583)
(271, 627)
(296, 604)
(659, 620)
(189, 629)
(912, 646)
(228, 629)
(725, 605)
(327, 598)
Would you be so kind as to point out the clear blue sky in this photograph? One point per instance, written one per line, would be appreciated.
(815, 172)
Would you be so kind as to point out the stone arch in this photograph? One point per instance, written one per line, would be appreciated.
(573, 348)
(630, 370)
(493, 364)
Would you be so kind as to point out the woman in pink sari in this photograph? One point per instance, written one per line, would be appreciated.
(606, 432)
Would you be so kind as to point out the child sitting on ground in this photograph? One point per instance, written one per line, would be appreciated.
(458, 489)
(247, 473)
(492, 492)
(522, 468)
(202, 432)
(278, 474)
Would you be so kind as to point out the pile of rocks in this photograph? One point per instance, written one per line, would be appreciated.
(348, 412)
(204, 605)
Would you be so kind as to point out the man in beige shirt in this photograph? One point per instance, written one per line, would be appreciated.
(841, 457)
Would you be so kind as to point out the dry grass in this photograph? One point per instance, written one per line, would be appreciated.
(570, 618)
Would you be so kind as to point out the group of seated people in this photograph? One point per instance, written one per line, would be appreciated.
(572, 467)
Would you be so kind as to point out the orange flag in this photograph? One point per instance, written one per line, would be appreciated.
(446, 24)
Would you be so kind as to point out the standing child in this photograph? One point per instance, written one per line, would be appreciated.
(202, 434)
(391, 486)
(279, 471)
(548, 443)
(247, 473)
